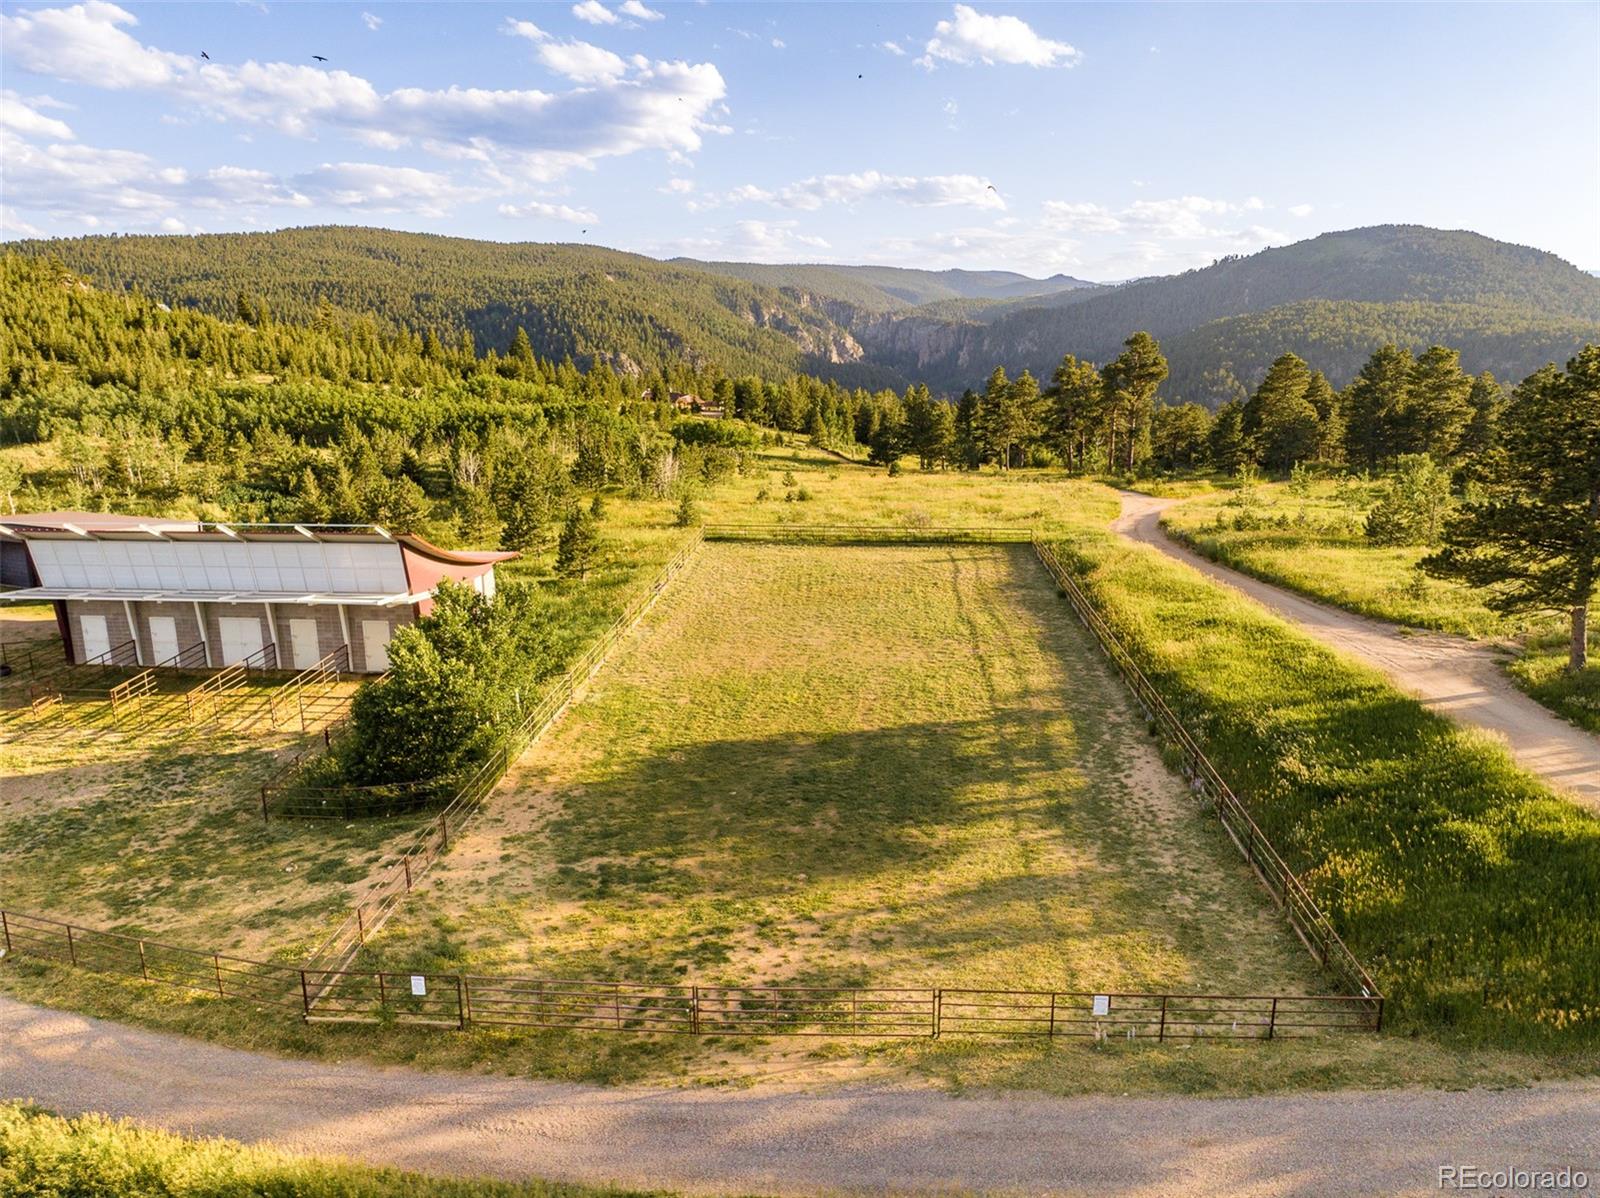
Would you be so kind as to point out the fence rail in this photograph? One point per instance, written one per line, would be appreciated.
(205, 701)
(27, 655)
(327, 989)
(866, 534)
(288, 702)
(460, 1001)
(1304, 914)
(414, 860)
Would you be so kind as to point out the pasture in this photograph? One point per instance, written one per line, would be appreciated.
(852, 766)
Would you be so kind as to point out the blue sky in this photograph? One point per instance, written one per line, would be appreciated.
(1103, 140)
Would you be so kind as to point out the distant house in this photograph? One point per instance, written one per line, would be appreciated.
(152, 592)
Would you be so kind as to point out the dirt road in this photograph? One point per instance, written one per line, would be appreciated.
(1455, 676)
(783, 1141)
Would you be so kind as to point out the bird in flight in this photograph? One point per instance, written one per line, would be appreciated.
(205, 56)
(994, 189)
(319, 58)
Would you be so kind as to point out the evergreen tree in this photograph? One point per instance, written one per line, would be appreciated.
(1076, 402)
(1226, 446)
(1178, 436)
(1280, 423)
(578, 545)
(1130, 385)
(1438, 404)
(1373, 403)
(1533, 542)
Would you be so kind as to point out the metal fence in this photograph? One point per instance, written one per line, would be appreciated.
(431, 842)
(458, 1000)
(1305, 916)
(327, 989)
(859, 534)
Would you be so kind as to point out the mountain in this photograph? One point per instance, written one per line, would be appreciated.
(893, 288)
(1332, 299)
(1363, 286)
(589, 303)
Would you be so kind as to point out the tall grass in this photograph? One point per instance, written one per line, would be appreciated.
(45, 1156)
(1471, 890)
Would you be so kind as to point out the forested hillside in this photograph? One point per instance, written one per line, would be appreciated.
(1332, 300)
(588, 303)
(1509, 308)
(894, 288)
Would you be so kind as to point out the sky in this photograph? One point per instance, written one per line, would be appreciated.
(1101, 141)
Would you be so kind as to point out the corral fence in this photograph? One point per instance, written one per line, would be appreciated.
(419, 854)
(851, 534)
(1305, 916)
(327, 989)
(452, 1000)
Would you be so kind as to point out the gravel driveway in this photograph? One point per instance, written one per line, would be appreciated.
(782, 1141)
(1452, 675)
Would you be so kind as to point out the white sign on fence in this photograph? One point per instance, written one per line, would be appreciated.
(419, 985)
(1102, 1004)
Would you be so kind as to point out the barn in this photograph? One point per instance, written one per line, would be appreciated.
(136, 590)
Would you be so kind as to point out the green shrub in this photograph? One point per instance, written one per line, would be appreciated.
(45, 1156)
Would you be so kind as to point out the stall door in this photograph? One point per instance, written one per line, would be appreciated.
(163, 639)
(303, 643)
(375, 643)
(241, 637)
(96, 638)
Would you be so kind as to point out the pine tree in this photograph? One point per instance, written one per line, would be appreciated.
(1372, 405)
(1438, 404)
(578, 545)
(1533, 542)
(1130, 384)
(1280, 423)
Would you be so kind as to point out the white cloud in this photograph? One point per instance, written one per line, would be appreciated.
(372, 187)
(1300, 210)
(636, 10)
(21, 114)
(893, 48)
(678, 187)
(594, 13)
(923, 191)
(754, 240)
(1183, 218)
(533, 134)
(538, 208)
(87, 44)
(371, 20)
(778, 43)
(582, 62)
(973, 37)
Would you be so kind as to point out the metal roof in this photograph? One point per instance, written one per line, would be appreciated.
(343, 599)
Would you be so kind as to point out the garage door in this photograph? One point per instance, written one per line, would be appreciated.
(375, 644)
(163, 639)
(96, 638)
(303, 643)
(240, 638)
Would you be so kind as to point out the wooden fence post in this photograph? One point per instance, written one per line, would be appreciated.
(938, 1012)
(216, 964)
(461, 1005)
(1161, 1032)
(144, 966)
(1272, 1019)
(264, 817)
(694, 1010)
(5, 926)
(305, 997)
(1052, 1030)
(72, 951)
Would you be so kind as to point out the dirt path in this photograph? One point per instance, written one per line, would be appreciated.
(786, 1141)
(1452, 675)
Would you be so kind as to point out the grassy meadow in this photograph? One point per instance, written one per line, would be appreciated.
(852, 766)
(809, 766)
(43, 1155)
(1313, 542)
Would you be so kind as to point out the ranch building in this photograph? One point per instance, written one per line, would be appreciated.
(136, 590)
